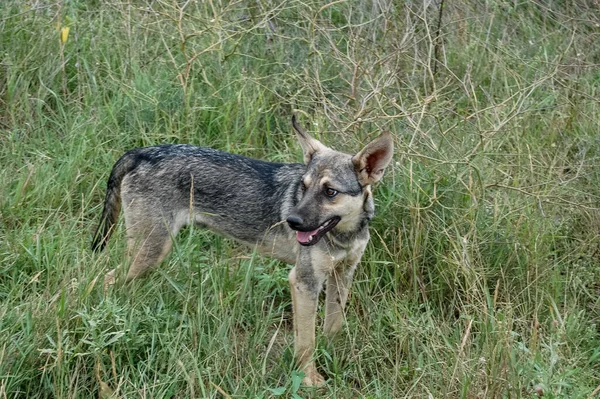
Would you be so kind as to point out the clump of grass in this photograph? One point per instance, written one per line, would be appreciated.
(481, 279)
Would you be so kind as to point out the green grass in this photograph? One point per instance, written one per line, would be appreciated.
(482, 278)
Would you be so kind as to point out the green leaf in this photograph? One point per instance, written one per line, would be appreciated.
(277, 391)
(297, 377)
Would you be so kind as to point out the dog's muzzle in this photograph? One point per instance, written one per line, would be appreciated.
(309, 236)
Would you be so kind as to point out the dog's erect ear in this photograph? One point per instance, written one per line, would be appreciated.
(309, 144)
(372, 160)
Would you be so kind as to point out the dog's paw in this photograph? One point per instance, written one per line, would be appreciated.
(109, 279)
(313, 379)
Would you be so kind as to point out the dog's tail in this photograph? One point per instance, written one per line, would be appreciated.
(112, 201)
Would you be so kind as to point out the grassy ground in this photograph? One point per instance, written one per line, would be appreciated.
(482, 279)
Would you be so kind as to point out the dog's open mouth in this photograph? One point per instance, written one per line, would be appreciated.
(307, 238)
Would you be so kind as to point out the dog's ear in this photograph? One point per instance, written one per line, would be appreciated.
(372, 160)
(309, 144)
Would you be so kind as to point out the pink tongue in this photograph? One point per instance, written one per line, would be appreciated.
(304, 236)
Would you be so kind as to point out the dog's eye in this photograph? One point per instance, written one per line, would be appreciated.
(330, 192)
(302, 186)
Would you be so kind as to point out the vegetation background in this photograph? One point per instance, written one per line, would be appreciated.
(482, 279)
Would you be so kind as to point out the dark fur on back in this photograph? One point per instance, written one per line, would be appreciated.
(200, 177)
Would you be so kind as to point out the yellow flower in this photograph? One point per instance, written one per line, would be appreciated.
(64, 34)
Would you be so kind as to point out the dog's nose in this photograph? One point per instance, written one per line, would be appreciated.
(295, 222)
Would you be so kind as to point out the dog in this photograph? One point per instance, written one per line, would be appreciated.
(314, 215)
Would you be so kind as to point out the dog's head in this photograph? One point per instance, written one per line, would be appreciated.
(335, 193)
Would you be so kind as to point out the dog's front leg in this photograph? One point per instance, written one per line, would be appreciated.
(305, 287)
(338, 287)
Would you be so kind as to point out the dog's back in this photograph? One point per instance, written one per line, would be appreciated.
(163, 188)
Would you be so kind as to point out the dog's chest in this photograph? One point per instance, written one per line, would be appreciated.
(280, 246)
(326, 258)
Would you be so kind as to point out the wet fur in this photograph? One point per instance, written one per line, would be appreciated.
(163, 188)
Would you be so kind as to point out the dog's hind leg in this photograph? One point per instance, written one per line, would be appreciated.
(148, 250)
(336, 295)
(149, 239)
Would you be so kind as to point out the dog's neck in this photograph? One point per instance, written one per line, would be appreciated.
(346, 240)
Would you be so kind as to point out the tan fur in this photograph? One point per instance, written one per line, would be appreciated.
(350, 209)
(336, 267)
(304, 307)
